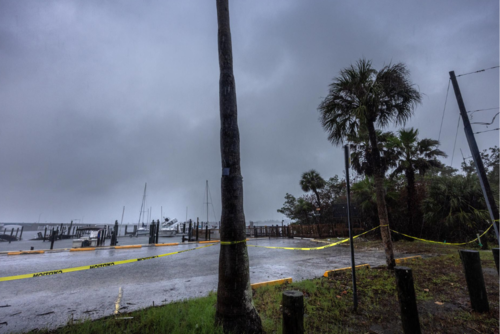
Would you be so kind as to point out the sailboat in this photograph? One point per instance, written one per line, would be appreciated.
(142, 229)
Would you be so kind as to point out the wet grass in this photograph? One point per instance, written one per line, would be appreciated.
(441, 292)
(190, 316)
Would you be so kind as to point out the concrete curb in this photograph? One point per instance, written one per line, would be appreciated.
(275, 282)
(329, 273)
(26, 252)
(407, 259)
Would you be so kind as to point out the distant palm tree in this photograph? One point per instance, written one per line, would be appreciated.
(360, 98)
(312, 181)
(234, 310)
(410, 156)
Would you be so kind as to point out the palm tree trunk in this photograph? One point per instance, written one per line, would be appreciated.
(383, 216)
(410, 180)
(320, 213)
(235, 310)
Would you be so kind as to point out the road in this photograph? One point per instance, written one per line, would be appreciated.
(50, 301)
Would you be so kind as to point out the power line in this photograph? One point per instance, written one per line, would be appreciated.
(485, 69)
(473, 111)
(456, 135)
(482, 123)
(487, 130)
(446, 100)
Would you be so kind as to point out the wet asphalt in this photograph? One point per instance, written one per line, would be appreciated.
(51, 301)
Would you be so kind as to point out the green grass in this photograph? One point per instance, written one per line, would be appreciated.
(190, 316)
(328, 303)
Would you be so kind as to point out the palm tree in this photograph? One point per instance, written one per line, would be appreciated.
(360, 99)
(312, 181)
(412, 155)
(360, 149)
(235, 310)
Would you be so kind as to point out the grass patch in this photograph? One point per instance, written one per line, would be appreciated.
(328, 303)
(190, 316)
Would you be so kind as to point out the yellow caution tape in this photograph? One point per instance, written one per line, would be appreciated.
(94, 266)
(232, 242)
(317, 248)
(444, 243)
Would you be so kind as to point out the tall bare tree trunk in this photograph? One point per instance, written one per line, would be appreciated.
(383, 217)
(235, 310)
(379, 177)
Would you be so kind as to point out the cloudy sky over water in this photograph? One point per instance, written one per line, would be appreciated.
(99, 97)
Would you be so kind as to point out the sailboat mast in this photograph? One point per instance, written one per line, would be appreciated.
(143, 206)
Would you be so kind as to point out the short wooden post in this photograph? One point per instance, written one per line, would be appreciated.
(206, 232)
(407, 300)
(53, 237)
(255, 231)
(11, 232)
(475, 280)
(158, 230)
(293, 312)
(495, 257)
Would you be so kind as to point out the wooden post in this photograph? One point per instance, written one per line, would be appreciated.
(45, 234)
(158, 230)
(255, 231)
(53, 237)
(495, 257)
(17, 232)
(475, 280)
(293, 312)
(69, 229)
(197, 231)
(407, 300)
(11, 232)
(206, 232)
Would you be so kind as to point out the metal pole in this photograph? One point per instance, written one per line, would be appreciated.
(354, 290)
(207, 201)
(485, 185)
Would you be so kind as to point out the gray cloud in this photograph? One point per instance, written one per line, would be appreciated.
(99, 97)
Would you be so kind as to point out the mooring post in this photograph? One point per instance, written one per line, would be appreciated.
(21, 236)
(206, 232)
(11, 232)
(17, 232)
(495, 257)
(475, 280)
(157, 230)
(190, 231)
(293, 312)
(53, 237)
(407, 300)
(197, 231)
(69, 229)
(115, 234)
(45, 234)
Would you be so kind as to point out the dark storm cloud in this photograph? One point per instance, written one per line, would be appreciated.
(99, 97)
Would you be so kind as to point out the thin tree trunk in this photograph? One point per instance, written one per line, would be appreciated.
(235, 310)
(383, 216)
(410, 179)
(385, 231)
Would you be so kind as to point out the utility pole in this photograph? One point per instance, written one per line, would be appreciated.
(481, 173)
(207, 202)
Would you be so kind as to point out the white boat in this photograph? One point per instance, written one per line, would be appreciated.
(167, 228)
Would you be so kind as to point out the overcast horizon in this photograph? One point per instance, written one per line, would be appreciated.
(100, 97)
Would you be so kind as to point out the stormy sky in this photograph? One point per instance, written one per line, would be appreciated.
(99, 97)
